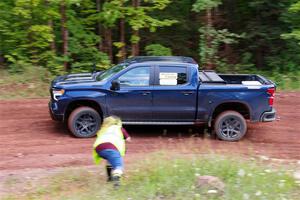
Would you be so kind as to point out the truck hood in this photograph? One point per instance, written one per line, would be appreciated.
(70, 80)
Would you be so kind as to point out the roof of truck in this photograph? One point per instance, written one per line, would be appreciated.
(179, 59)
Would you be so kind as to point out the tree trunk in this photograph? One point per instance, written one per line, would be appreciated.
(259, 57)
(135, 46)
(52, 44)
(32, 49)
(51, 26)
(1, 60)
(108, 42)
(209, 62)
(101, 41)
(122, 39)
(64, 32)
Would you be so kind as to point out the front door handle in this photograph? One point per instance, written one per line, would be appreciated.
(187, 93)
(146, 93)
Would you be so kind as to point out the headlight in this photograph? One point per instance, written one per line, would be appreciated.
(57, 93)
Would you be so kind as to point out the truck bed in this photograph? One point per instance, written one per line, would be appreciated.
(211, 77)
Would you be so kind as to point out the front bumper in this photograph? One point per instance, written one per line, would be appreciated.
(268, 116)
(53, 109)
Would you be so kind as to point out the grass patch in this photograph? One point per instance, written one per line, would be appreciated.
(285, 82)
(162, 177)
(33, 82)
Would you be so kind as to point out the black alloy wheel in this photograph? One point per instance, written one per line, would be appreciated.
(84, 122)
(230, 126)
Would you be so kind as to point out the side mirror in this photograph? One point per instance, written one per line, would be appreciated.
(115, 85)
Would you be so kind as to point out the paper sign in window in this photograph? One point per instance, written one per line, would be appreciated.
(168, 78)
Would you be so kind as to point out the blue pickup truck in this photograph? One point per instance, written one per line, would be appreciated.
(162, 91)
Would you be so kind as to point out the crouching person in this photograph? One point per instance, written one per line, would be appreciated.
(110, 145)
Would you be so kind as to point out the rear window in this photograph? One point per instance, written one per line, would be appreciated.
(169, 75)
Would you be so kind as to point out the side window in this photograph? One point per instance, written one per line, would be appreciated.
(172, 75)
(139, 76)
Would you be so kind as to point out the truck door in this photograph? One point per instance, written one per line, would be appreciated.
(174, 96)
(133, 102)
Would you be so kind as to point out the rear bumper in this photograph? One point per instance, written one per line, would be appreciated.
(53, 111)
(268, 116)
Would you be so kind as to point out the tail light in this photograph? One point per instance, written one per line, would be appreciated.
(271, 92)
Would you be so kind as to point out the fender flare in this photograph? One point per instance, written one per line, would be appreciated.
(210, 119)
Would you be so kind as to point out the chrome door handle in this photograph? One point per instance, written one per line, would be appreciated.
(146, 93)
(187, 93)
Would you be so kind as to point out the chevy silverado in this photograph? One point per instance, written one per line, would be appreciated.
(162, 91)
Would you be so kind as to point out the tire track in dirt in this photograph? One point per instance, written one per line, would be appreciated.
(30, 139)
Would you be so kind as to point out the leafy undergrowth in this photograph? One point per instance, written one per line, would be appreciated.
(160, 176)
(31, 83)
(285, 82)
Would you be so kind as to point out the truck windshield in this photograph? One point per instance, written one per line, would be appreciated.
(108, 73)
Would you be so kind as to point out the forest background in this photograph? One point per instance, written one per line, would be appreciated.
(40, 39)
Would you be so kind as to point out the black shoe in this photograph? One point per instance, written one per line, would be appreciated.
(109, 179)
(108, 171)
(116, 181)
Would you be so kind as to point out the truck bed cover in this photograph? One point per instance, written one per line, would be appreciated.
(209, 76)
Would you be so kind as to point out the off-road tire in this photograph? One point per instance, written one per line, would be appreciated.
(230, 126)
(81, 117)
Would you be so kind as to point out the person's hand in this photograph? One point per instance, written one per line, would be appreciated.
(128, 139)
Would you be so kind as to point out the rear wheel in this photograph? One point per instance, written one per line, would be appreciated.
(230, 126)
(84, 122)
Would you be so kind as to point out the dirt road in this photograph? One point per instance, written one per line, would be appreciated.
(30, 139)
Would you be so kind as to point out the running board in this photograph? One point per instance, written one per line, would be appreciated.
(158, 123)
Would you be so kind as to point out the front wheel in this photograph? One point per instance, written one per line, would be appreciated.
(84, 122)
(230, 126)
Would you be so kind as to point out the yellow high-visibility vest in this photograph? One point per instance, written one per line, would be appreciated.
(112, 134)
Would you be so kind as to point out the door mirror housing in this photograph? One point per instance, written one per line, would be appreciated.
(115, 85)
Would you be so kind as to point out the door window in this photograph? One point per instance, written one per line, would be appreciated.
(136, 77)
(172, 75)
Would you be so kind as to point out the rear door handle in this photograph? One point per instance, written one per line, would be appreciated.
(146, 93)
(187, 93)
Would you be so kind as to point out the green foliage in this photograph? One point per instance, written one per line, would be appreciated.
(241, 36)
(182, 36)
(209, 52)
(82, 43)
(101, 61)
(139, 18)
(295, 32)
(54, 63)
(211, 38)
(295, 7)
(27, 35)
(158, 50)
(263, 21)
(18, 63)
(111, 13)
(284, 81)
(134, 39)
(201, 5)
